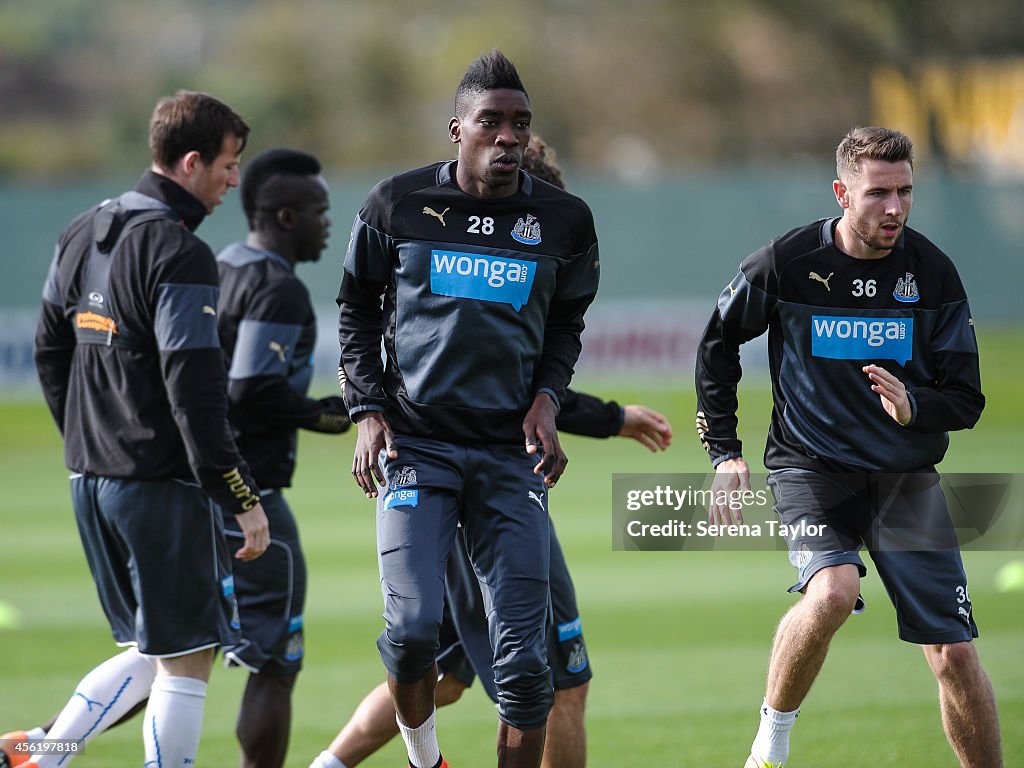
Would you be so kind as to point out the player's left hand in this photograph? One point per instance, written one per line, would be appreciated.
(892, 393)
(732, 476)
(647, 427)
(541, 434)
(374, 436)
(256, 530)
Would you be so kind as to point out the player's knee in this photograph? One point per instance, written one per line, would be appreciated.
(525, 707)
(409, 649)
(524, 695)
(196, 665)
(266, 686)
(265, 712)
(837, 603)
(834, 591)
(952, 661)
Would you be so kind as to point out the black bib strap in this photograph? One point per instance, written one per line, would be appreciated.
(95, 321)
(827, 225)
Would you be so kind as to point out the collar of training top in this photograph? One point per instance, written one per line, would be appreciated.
(184, 203)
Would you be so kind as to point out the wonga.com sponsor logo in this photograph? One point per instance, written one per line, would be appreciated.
(402, 497)
(479, 276)
(859, 338)
(570, 629)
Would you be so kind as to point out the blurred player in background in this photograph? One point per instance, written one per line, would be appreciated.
(465, 650)
(873, 360)
(132, 371)
(476, 361)
(268, 332)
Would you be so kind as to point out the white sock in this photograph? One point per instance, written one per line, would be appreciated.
(101, 698)
(772, 740)
(174, 720)
(327, 760)
(421, 742)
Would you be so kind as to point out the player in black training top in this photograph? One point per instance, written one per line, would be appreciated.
(268, 332)
(131, 367)
(465, 649)
(873, 360)
(485, 276)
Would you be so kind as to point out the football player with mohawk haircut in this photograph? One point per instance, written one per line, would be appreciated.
(477, 278)
(465, 650)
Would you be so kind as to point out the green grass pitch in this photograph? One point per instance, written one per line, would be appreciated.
(678, 641)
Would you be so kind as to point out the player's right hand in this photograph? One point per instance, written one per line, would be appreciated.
(541, 435)
(256, 529)
(374, 435)
(731, 475)
(892, 392)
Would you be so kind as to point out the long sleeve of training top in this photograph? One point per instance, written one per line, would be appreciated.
(142, 391)
(828, 315)
(586, 415)
(55, 341)
(479, 303)
(718, 370)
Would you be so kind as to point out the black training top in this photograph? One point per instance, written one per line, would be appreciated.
(483, 303)
(268, 331)
(127, 349)
(827, 315)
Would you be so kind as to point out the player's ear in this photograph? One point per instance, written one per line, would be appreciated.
(285, 218)
(190, 162)
(842, 193)
(454, 130)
